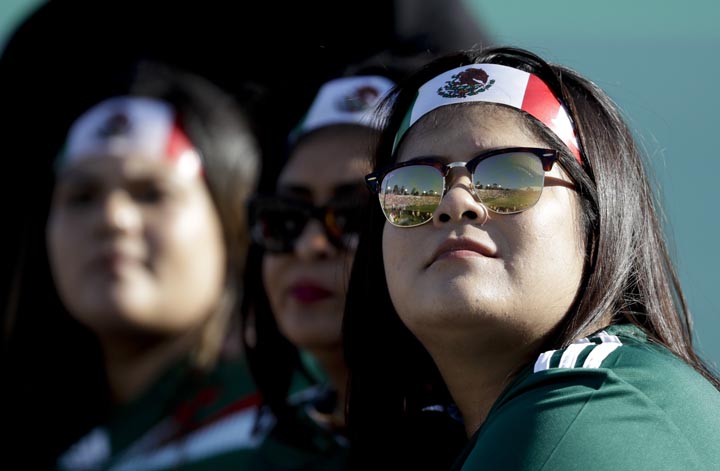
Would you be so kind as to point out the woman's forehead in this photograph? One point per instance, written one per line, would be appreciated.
(123, 168)
(334, 156)
(467, 128)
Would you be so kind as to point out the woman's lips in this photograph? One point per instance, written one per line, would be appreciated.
(461, 248)
(114, 261)
(307, 292)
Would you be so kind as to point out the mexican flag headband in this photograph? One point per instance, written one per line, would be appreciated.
(493, 83)
(129, 125)
(346, 100)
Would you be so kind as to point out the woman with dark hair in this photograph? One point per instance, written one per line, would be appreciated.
(515, 269)
(304, 235)
(145, 234)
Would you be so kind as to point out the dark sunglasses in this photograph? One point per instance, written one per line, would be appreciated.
(276, 222)
(506, 181)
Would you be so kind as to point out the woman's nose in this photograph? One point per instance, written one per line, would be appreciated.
(313, 242)
(460, 204)
(119, 213)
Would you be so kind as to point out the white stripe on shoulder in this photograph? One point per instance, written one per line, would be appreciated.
(607, 338)
(543, 361)
(90, 452)
(231, 433)
(602, 351)
(598, 353)
(571, 354)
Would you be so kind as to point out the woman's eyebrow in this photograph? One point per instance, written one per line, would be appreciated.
(340, 191)
(427, 158)
(75, 177)
(294, 190)
(445, 159)
(349, 189)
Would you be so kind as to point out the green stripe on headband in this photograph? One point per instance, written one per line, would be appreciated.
(405, 125)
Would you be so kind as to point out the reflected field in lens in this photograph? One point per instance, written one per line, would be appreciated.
(509, 200)
(505, 182)
(409, 210)
(411, 194)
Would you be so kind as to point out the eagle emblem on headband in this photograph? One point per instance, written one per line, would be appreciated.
(360, 99)
(467, 83)
(116, 124)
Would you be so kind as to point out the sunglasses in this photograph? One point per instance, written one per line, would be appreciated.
(505, 181)
(276, 222)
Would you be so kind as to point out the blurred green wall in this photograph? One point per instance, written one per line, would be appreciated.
(659, 61)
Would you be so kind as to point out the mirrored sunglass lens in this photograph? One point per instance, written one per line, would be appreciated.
(409, 195)
(509, 183)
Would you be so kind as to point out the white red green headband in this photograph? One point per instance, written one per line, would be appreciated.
(346, 100)
(493, 83)
(124, 126)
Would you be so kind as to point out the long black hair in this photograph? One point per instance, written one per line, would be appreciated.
(275, 363)
(628, 274)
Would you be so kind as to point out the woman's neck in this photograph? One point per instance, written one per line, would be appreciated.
(475, 377)
(133, 364)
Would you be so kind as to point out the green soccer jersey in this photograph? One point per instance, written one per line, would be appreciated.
(321, 448)
(612, 401)
(186, 421)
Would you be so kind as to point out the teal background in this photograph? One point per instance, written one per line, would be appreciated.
(659, 61)
(11, 12)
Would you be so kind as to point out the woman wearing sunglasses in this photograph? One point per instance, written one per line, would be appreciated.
(514, 267)
(305, 234)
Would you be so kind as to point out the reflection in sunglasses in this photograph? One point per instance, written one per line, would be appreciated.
(506, 181)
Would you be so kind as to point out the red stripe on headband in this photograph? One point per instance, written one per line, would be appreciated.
(177, 142)
(540, 102)
(181, 152)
